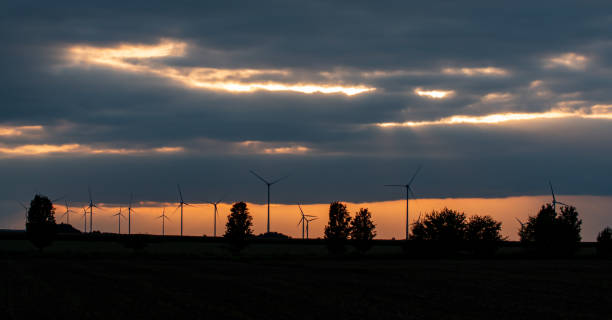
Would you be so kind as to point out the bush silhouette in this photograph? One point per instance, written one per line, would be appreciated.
(362, 230)
(446, 225)
(553, 233)
(604, 242)
(483, 228)
(238, 226)
(483, 234)
(40, 226)
(338, 229)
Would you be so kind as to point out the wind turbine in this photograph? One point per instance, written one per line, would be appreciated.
(408, 192)
(119, 215)
(308, 223)
(67, 213)
(130, 210)
(164, 217)
(84, 220)
(91, 206)
(268, 184)
(216, 213)
(26, 211)
(554, 202)
(181, 204)
(304, 220)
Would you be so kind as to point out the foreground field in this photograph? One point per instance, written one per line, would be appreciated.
(162, 283)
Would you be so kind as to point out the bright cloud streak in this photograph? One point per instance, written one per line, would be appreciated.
(233, 80)
(474, 72)
(595, 112)
(78, 149)
(569, 60)
(270, 148)
(18, 130)
(434, 94)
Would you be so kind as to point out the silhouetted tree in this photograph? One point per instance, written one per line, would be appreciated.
(445, 225)
(362, 230)
(483, 228)
(483, 234)
(238, 226)
(439, 232)
(40, 226)
(552, 232)
(604, 242)
(338, 228)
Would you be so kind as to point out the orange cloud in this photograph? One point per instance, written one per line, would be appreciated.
(77, 149)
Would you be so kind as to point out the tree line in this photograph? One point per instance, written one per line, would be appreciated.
(441, 231)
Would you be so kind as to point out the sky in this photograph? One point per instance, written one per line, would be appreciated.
(492, 100)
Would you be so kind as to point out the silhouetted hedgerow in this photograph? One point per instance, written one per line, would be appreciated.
(448, 231)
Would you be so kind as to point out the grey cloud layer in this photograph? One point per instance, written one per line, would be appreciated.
(108, 108)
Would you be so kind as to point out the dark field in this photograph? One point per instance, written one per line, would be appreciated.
(90, 280)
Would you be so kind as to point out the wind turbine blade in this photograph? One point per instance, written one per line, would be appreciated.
(300, 221)
(299, 206)
(180, 193)
(131, 198)
(412, 193)
(23, 205)
(279, 179)
(551, 190)
(394, 185)
(519, 221)
(415, 174)
(259, 177)
(561, 203)
(89, 191)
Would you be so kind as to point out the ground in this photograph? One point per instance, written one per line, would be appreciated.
(70, 281)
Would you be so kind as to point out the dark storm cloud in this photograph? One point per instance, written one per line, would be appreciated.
(409, 46)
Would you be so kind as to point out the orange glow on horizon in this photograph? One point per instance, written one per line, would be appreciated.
(388, 216)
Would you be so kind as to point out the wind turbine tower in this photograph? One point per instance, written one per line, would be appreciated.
(84, 220)
(163, 217)
(67, 213)
(181, 204)
(408, 192)
(304, 221)
(268, 184)
(308, 224)
(119, 215)
(26, 211)
(130, 210)
(216, 213)
(91, 206)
